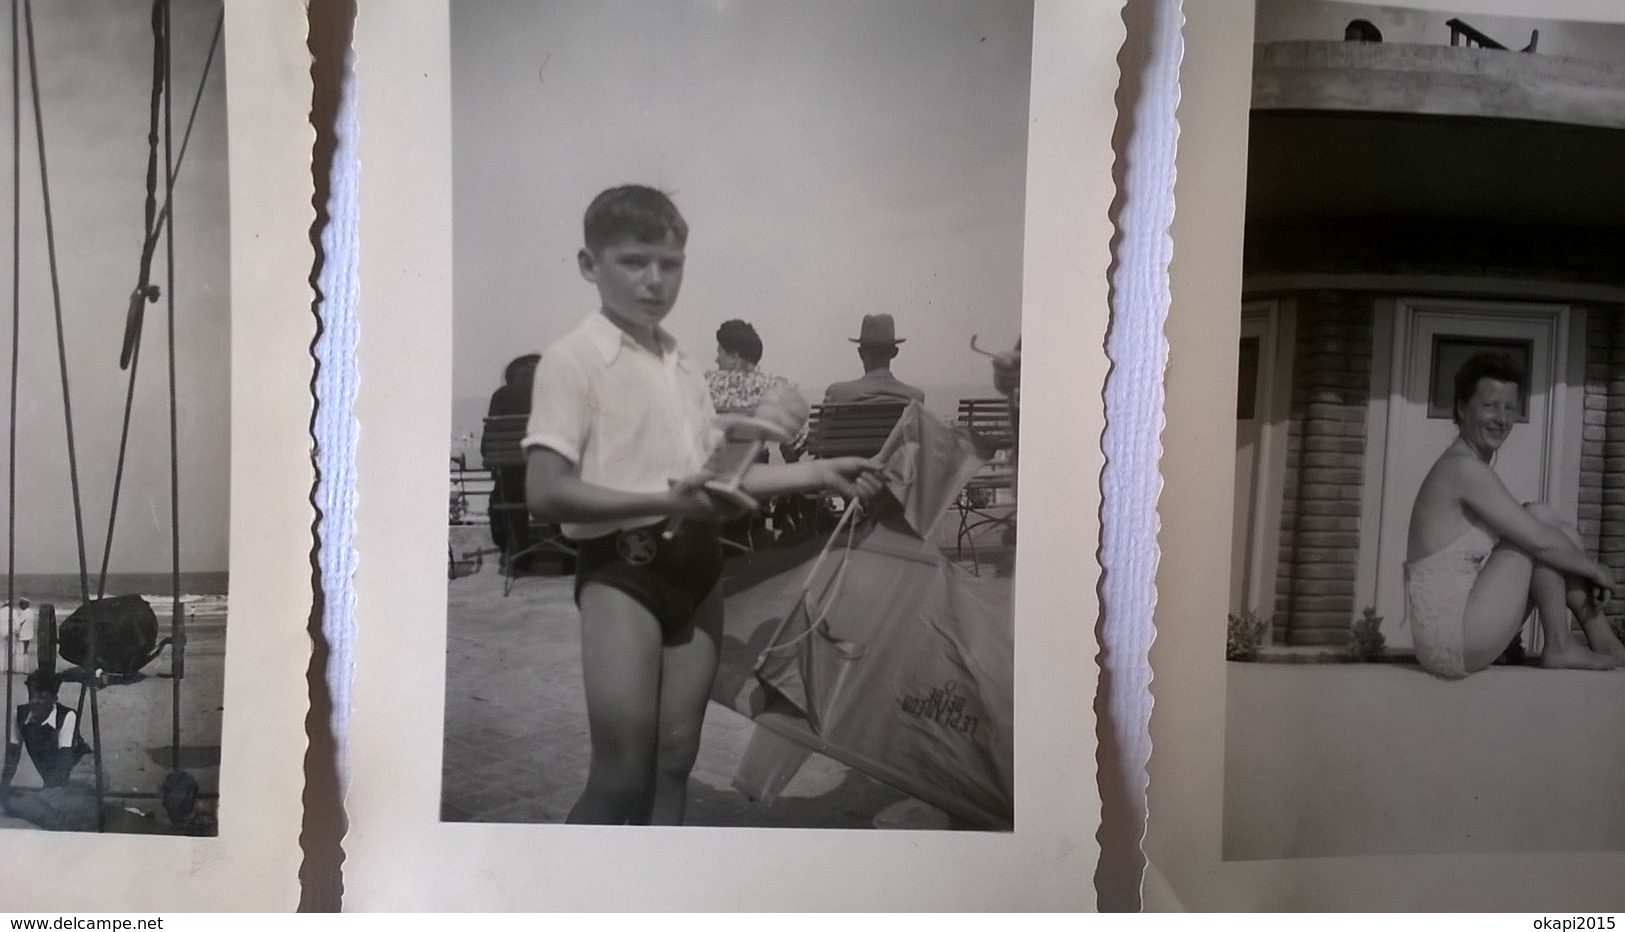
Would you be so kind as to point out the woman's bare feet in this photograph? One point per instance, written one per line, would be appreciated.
(1599, 634)
(1603, 639)
(1574, 657)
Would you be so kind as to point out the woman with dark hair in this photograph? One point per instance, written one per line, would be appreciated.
(1478, 560)
(736, 383)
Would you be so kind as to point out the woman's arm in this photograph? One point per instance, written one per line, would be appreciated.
(555, 494)
(1484, 493)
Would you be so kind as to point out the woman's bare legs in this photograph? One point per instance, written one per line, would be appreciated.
(1510, 583)
(1496, 607)
(1577, 597)
(687, 672)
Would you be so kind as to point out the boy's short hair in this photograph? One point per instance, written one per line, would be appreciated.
(1500, 367)
(739, 338)
(632, 211)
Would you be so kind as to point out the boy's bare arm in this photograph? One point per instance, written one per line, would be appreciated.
(844, 475)
(555, 494)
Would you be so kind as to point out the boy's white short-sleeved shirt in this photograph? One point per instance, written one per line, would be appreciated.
(628, 419)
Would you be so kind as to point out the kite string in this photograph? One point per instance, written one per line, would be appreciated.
(828, 602)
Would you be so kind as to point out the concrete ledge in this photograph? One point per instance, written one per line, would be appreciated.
(1438, 80)
(1333, 760)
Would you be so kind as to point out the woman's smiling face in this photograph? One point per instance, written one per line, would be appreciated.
(1487, 417)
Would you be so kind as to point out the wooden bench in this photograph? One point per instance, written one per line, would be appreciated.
(851, 429)
(500, 449)
(989, 421)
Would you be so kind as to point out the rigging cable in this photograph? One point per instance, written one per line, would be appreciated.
(16, 331)
(56, 301)
(177, 624)
(156, 225)
(67, 402)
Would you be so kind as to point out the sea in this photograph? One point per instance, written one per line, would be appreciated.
(201, 593)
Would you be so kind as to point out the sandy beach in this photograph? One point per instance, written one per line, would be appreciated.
(136, 718)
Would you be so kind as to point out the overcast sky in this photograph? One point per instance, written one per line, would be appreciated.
(95, 70)
(833, 159)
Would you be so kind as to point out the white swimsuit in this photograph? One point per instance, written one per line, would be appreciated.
(1437, 587)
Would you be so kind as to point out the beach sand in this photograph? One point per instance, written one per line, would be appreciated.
(136, 722)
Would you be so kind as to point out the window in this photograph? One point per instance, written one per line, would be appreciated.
(1449, 352)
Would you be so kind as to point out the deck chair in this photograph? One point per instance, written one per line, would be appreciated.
(858, 428)
(501, 450)
(989, 422)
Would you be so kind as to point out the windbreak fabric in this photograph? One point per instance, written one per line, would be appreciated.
(927, 463)
(899, 661)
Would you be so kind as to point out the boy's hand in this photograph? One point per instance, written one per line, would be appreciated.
(852, 476)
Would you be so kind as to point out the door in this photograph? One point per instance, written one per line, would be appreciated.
(1260, 456)
(1539, 460)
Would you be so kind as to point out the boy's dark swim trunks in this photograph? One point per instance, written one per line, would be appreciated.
(670, 578)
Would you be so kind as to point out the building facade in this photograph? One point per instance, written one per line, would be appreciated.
(1407, 206)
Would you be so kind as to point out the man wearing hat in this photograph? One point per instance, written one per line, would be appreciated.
(877, 346)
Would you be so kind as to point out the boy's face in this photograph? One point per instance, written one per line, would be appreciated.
(637, 281)
(41, 701)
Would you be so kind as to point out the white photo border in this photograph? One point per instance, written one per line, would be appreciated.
(253, 863)
(400, 856)
(1185, 797)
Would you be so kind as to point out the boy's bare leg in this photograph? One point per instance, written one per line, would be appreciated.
(688, 672)
(620, 667)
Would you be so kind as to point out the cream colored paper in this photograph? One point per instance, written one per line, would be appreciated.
(400, 856)
(253, 863)
(1185, 798)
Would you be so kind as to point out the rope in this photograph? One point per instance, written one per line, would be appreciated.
(130, 356)
(825, 606)
(16, 332)
(176, 623)
(158, 224)
(56, 301)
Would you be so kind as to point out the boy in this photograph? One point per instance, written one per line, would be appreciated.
(621, 427)
(46, 730)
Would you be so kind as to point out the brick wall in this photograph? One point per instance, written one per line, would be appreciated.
(1605, 377)
(1598, 358)
(1320, 515)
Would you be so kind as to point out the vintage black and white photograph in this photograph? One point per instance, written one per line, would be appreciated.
(737, 298)
(118, 419)
(1427, 587)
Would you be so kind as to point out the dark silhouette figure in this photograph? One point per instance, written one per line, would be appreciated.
(510, 527)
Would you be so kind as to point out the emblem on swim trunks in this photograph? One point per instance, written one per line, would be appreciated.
(636, 546)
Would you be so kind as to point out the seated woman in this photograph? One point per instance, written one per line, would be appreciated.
(1478, 561)
(737, 385)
